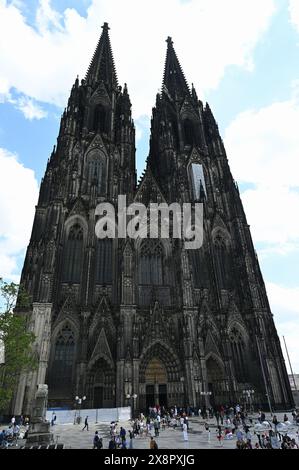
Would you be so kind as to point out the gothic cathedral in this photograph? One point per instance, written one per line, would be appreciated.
(115, 318)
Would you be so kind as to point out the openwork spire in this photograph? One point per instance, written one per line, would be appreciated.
(102, 64)
(174, 80)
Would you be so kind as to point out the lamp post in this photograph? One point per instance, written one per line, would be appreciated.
(133, 405)
(206, 395)
(79, 401)
(248, 394)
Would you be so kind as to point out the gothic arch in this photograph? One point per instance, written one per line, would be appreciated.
(96, 358)
(100, 381)
(73, 254)
(62, 359)
(60, 323)
(222, 249)
(238, 340)
(212, 355)
(167, 357)
(96, 169)
(151, 265)
(75, 219)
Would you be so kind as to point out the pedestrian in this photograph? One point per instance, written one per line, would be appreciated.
(3, 442)
(96, 440)
(156, 427)
(122, 434)
(112, 444)
(207, 428)
(85, 423)
(153, 444)
(13, 420)
(131, 435)
(53, 419)
(185, 432)
(220, 436)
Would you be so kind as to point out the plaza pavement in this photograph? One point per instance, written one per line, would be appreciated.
(73, 437)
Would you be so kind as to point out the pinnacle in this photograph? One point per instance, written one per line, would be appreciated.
(174, 79)
(102, 64)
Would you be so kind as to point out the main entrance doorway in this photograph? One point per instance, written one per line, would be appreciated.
(156, 384)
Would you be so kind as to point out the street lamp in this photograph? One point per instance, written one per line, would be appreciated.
(206, 395)
(248, 394)
(133, 398)
(79, 401)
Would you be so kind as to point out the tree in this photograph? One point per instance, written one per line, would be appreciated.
(17, 340)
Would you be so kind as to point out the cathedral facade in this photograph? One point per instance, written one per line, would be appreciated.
(145, 319)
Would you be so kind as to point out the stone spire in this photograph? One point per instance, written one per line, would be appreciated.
(174, 81)
(102, 64)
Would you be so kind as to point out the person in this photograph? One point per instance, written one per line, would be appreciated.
(53, 419)
(122, 434)
(219, 436)
(185, 432)
(112, 444)
(131, 435)
(207, 428)
(96, 440)
(156, 427)
(3, 442)
(16, 433)
(85, 423)
(13, 420)
(153, 444)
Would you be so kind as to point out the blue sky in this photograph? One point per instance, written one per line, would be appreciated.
(243, 60)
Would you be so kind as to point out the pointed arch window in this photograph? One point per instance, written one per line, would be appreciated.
(100, 119)
(198, 181)
(223, 263)
(198, 264)
(238, 351)
(73, 259)
(61, 373)
(151, 263)
(97, 170)
(189, 137)
(104, 261)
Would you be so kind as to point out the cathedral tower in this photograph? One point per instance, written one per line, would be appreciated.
(145, 317)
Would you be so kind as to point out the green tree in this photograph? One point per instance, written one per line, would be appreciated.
(17, 341)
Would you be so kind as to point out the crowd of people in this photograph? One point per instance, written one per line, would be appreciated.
(17, 429)
(225, 422)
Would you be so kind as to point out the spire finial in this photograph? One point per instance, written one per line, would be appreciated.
(105, 27)
(169, 41)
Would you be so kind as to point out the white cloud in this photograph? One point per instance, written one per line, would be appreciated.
(294, 12)
(262, 147)
(284, 303)
(18, 196)
(4, 90)
(209, 35)
(30, 109)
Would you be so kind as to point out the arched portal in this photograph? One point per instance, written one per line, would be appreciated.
(100, 388)
(216, 381)
(160, 378)
(156, 383)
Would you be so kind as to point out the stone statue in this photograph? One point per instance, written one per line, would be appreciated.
(39, 432)
(40, 404)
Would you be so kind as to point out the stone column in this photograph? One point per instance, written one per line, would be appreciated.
(40, 326)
